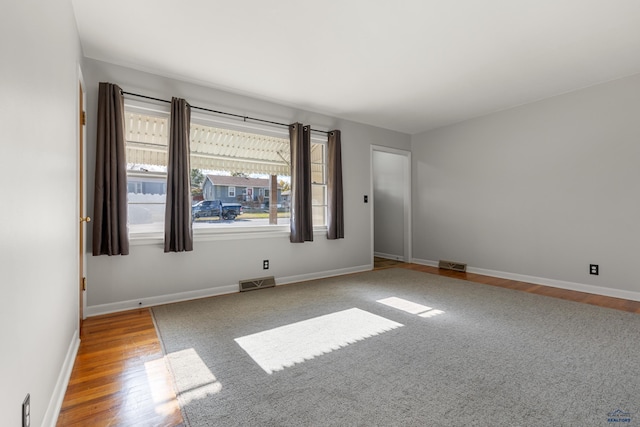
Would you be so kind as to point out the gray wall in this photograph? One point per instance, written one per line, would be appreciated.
(40, 53)
(388, 199)
(148, 275)
(542, 190)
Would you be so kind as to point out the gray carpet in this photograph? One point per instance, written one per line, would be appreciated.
(435, 352)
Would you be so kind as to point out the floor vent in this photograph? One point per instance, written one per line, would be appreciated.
(452, 265)
(261, 283)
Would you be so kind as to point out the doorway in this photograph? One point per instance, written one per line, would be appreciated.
(391, 190)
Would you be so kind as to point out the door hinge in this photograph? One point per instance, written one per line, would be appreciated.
(83, 118)
(84, 283)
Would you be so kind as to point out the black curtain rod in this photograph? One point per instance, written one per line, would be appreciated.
(245, 118)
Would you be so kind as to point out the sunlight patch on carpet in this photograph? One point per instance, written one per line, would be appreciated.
(430, 313)
(285, 346)
(410, 307)
(196, 380)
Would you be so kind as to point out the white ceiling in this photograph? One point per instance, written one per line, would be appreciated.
(405, 65)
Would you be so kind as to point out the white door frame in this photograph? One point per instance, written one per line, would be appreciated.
(81, 198)
(408, 256)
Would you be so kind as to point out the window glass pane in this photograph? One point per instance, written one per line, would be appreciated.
(238, 153)
(319, 215)
(319, 202)
(146, 217)
(317, 163)
(248, 205)
(318, 195)
(146, 137)
(146, 198)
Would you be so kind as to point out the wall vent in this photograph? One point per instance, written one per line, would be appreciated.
(452, 265)
(260, 283)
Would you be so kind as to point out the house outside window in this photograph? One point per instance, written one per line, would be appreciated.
(232, 192)
(134, 187)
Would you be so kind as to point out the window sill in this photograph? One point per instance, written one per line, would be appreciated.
(283, 231)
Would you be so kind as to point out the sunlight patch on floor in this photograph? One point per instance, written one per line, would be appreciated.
(430, 313)
(161, 389)
(196, 378)
(285, 346)
(410, 307)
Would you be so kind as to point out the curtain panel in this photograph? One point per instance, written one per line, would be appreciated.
(301, 221)
(178, 230)
(110, 228)
(335, 207)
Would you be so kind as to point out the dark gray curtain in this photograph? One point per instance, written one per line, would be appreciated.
(335, 217)
(178, 232)
(301, 214)
(110, 230)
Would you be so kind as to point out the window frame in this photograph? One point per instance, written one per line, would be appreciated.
(226, 233)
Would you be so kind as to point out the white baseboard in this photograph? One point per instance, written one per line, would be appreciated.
(425, 262)
(323, 274)
(562, 284)
(55, 403)
(389, 256)
(96, 310)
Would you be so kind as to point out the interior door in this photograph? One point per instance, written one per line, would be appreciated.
(83, 219)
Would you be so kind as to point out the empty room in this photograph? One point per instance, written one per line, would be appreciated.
(320, 213)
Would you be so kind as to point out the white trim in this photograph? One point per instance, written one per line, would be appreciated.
(323, 274)
(97, 310)
(57, 397)
(389, 256)
(424, 262)
(408, 203)
(573, 286)
(81, 133)
(561, 284)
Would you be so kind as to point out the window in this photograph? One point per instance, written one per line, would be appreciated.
(319, 183)
(146, 139)
(233, 164)
(134, 187)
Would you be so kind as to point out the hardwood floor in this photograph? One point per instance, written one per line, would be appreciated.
(379, 263)
(120, 377)
(583, 297)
